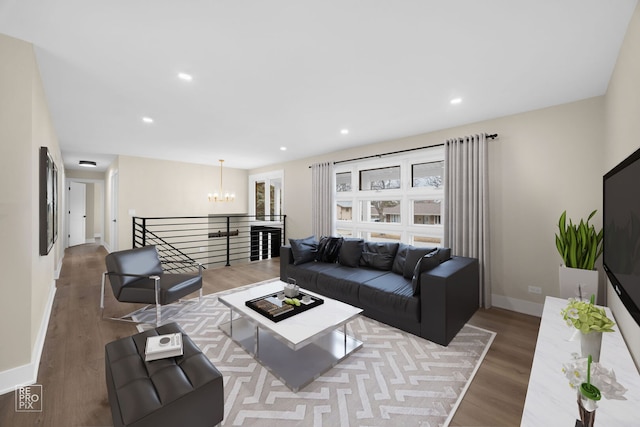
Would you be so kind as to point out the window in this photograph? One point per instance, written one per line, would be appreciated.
(344, 210)
(380, 179)
(380, 210)
(394, 199)
(427, 174)
(343, 182)
(265, 192)
(427, 212)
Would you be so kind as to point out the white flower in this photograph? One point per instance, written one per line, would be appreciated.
(601, 377)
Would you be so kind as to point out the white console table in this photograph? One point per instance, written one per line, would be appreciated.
(551, 401)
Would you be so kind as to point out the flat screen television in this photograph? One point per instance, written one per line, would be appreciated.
(621, 219)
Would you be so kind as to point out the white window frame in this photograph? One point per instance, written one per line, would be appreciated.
(266, 178)
(407, 194)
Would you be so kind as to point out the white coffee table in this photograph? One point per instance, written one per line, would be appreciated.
(299, 349)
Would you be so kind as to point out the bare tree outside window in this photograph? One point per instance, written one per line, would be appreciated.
(380, 210)
(380, 179)
(343, 182)
(427, 175)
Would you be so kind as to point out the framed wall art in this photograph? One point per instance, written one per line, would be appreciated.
(48, 201)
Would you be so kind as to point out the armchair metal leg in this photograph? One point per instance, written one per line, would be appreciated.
(156, 284)
(104, 277)
(127, 317)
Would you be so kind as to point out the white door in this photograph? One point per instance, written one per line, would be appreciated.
(113, 223)
(77, 213)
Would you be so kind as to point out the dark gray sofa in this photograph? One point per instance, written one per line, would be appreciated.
(422, 291)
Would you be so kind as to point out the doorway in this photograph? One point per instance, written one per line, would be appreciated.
(77, 197)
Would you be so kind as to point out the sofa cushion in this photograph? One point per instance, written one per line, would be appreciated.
(391, 293)
(413, 256)
(350, 252)
(426, 263)
(379, 255)
(306, 275)
(328, 249)
(342, 282)
(304, 250)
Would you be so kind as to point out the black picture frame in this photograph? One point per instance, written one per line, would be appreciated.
(48, 201)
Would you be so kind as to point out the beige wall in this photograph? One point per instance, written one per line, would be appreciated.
(159, 188)
(28, 281)
(532, 182)
(622, 130)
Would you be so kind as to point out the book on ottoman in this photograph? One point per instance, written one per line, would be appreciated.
(163, 346)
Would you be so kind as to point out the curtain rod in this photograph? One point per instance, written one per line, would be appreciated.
(492, 136)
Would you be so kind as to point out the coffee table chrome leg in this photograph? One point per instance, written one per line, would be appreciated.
(230, 322)
(344, 332)
(257, 345)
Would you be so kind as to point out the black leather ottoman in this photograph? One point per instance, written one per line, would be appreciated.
(177, 391)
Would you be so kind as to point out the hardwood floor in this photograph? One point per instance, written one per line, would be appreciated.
(72, 364)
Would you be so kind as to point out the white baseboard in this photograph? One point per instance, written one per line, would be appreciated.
(56, 273)
(28, 374)
(518, 305)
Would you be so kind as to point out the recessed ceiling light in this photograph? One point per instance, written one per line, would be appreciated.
(283, 148)
(87, 163)
(186, 77)
(456, 101)
(147, 119)
(344, 131)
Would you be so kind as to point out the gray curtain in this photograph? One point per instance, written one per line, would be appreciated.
(322, 199)
(466, 207)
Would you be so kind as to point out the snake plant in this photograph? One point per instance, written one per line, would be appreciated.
(579, 245)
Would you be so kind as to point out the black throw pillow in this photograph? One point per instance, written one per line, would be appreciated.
(350, 252)
(328, 249)
(425, 263)
(304, 250)
(400, 259)
(379, 255)
(413, 256)
(444, 254)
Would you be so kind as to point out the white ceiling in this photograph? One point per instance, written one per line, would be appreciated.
(294, 73)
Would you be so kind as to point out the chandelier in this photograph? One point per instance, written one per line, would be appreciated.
(220, 196)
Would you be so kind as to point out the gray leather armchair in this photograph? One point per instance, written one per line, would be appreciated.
(136, 276)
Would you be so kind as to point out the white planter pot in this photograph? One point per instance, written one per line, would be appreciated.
(575, 282)
(590, 344)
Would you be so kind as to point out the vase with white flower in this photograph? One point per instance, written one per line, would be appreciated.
(591, 321)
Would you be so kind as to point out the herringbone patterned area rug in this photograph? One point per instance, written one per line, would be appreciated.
(395, 379)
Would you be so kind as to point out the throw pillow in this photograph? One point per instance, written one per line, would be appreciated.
(399, 260)
(328, 249)
(444, 254)
(425, 263)
(350, 252)
(413, 256)
(304, 250)
(379, 255)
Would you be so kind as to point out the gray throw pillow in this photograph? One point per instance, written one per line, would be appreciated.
(425, 263)
(413, 256)
(304, 250)
(350, 252)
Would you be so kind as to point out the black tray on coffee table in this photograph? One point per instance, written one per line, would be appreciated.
(276, 309)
